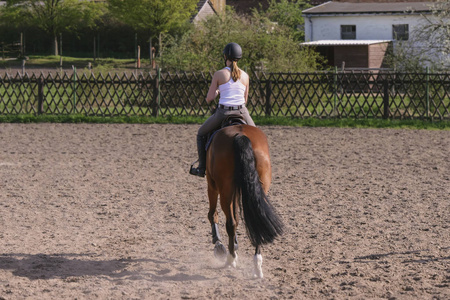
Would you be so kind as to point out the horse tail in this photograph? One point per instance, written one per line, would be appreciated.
(262, 222)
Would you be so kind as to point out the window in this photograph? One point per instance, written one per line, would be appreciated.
(348, 32)
(400, 32)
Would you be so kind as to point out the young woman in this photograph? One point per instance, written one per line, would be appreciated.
(232, 85)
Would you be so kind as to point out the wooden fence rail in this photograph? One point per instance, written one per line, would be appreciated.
(300, 95)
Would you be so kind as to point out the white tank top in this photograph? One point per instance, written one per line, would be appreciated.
(232, 93)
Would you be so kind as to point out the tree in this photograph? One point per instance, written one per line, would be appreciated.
(287, 13)
(158, 16)
(428, 43)
(435, 30)
(53, 16)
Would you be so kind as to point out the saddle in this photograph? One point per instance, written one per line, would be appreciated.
(228, 121)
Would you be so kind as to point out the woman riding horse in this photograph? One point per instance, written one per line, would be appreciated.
(237, 165)
(232, 84)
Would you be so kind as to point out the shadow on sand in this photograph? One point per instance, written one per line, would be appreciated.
(63, 266)
(71, 267)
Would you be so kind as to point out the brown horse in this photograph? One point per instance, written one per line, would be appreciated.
(238, 169)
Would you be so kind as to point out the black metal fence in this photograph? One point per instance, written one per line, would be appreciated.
(301, 95)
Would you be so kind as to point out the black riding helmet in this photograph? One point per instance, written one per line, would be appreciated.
(232, 51)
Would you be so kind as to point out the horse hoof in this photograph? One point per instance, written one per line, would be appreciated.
(219, 250)
(257, 261)
(258, 274)
(232, 260)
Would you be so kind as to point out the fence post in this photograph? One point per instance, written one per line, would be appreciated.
(156, 94)
(74, 105)
(268, 96)
(40, 107)
(428, 93)
(335, 82)
(386, 98)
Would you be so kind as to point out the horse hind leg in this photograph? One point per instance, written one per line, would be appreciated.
(232, 244)
(219, 249)
(257, 263)
(231, 225)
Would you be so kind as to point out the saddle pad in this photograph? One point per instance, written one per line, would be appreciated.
(227, 122)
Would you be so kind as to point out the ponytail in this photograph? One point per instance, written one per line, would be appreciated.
(235, 71)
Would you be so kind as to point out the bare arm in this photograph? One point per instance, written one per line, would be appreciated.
(246, 93)
(246, 81)
(213, 89)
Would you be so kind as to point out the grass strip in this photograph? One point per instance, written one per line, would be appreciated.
(269, 121)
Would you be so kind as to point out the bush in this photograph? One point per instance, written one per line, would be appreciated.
(266, 46)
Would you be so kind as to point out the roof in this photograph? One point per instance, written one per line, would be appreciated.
(370, 8)
(204, 9)
(201, 3)
(345, 42)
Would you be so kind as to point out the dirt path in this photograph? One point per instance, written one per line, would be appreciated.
(109, 212)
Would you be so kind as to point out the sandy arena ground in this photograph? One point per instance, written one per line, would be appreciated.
(110, 212)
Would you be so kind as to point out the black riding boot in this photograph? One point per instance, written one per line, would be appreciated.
(201, 149)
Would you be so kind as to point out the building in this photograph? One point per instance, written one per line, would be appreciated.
(353, 54)
(357, 33)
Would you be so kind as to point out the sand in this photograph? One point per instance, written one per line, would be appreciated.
(109, 211)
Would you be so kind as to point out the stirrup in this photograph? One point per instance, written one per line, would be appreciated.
(197, 171)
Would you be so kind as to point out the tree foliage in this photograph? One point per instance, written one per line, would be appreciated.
(287, 13)
(52, 16)
(266, 45)
(436, 30)
(158, 16)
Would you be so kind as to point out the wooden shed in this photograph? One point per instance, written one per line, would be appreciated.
(352, 53)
